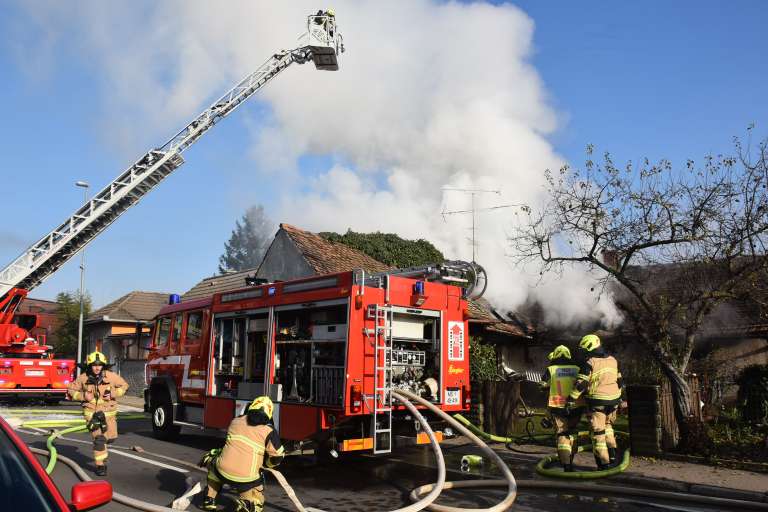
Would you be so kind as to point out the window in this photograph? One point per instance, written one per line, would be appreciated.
(163, 330)
(177, 328)
(194, 327)
(20, 488)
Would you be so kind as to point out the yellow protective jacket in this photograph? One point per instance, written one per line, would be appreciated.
(560, 376)
(599, 380)
(242, 457)
(106, 390)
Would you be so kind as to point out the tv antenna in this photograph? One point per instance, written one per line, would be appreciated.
(473, 192)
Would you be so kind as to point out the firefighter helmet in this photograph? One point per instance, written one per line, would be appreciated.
(330, 12)
(96, 358)
(589, 342)
(262, 403)
(560, 351)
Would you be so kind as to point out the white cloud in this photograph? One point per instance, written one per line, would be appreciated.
(429, 95)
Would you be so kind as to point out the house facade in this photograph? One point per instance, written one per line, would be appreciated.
(122, 330)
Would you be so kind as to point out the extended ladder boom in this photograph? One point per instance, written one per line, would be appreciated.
(323, 44)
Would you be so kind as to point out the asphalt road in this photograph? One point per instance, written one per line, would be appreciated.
(356, 483)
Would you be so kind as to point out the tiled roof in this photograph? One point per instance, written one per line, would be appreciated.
(678, 281)
(482, 312)
(327, 257)
(218, 284)
(40, 306)
(133, 306)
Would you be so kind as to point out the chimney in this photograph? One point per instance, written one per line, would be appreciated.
(611, 258)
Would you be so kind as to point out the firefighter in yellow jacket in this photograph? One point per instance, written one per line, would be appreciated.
(559, 378)
(98, 389)
(601, 384)
(252, 442)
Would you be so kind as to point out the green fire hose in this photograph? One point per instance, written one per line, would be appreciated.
(74, 425)
(542, 467)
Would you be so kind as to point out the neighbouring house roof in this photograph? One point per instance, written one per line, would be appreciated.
(218, 284)
(323, 256)
(39, 306)
(327, 257)
(133, 307)
(677, 281)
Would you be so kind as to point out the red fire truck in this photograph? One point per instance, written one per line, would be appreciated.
(27, 367)
(329, 350)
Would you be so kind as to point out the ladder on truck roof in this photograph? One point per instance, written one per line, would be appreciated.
(470, 276)
(381, 420)
(322, 45)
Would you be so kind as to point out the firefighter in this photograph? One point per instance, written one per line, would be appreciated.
(252, 442)
(559, 377)
(98, 389)
(327, 19)
(601, 383)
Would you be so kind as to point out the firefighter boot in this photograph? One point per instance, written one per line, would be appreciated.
(568, 468)
(248, 506)
(611, 456)
(101, 470)
(209, 503)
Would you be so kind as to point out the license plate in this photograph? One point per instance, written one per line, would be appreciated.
(34, 373)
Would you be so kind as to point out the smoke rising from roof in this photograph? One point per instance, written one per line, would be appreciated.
(430, 95)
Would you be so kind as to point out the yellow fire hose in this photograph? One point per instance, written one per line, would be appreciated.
(542, 467)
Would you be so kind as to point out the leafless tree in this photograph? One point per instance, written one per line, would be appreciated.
(669, 244)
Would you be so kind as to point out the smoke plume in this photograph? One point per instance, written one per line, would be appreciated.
(430, 95)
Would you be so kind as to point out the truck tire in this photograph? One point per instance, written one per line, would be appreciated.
(161, 412)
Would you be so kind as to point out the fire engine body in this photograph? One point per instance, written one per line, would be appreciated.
(26, 364)
(328, 350)
(27, 367)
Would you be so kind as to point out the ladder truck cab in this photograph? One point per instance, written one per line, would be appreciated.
(26, 364)
(328, 350)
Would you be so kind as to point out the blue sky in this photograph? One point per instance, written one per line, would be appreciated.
(657, 79)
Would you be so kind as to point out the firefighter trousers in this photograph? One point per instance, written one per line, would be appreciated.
(251, 497)
(102, 438)
(601, 419)
(567, 426)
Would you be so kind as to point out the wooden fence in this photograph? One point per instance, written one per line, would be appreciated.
(652, 424)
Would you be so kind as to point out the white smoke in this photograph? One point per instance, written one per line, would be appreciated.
(430, 95)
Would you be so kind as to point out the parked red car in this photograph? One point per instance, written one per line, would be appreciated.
(24, 484)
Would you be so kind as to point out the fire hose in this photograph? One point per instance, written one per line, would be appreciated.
(542, 467)
(435, 489)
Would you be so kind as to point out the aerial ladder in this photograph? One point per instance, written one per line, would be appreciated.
(321, 44)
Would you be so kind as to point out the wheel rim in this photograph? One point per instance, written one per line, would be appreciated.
(159, 417)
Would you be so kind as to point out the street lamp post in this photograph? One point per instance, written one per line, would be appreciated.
(84, 185)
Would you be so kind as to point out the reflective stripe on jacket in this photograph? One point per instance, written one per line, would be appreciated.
(105, 392)
(561, 381)
(603, 380)
(242, 457)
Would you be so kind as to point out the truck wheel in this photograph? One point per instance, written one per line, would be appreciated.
(162, 420)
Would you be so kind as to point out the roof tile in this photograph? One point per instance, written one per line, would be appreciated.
(136, 305)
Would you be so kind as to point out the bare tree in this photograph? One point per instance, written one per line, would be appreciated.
(670, 245)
